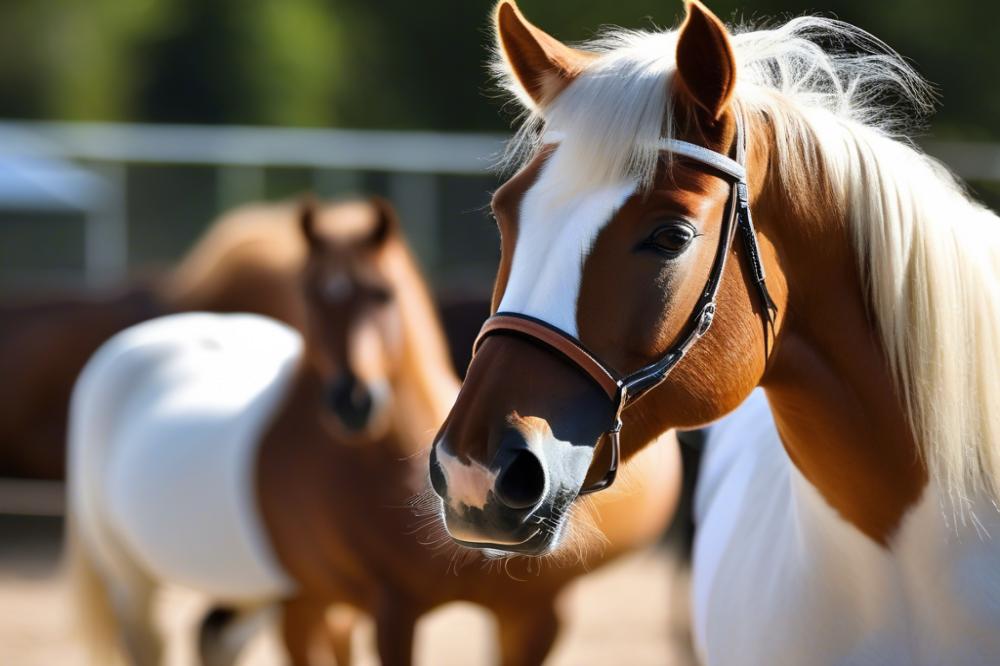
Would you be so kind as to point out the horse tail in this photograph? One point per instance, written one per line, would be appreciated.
(111, 595)
(93, 616)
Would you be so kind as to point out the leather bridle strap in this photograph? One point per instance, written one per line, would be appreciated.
(622, 390)
(558, 340)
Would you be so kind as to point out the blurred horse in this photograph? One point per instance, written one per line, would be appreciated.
(859, 526)
(245, 262)
(43, 345)
(267, 470)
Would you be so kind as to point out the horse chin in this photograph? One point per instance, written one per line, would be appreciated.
(562, 541)
(545, 547)
(541, 544)
(541, 534)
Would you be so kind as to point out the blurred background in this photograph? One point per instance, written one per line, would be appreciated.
(127, 126)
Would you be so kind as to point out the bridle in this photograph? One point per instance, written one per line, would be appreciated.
(623, 390)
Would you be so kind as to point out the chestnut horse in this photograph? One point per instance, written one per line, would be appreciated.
(631, 298)
(267, 470)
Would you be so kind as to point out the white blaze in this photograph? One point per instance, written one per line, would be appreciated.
(554, 236)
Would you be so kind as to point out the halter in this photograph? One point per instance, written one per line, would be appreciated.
(623, 390)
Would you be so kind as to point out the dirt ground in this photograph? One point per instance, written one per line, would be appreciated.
(628, 613)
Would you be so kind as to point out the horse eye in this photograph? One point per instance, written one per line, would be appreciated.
(671, 239)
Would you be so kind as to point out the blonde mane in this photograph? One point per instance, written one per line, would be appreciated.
(837, 101)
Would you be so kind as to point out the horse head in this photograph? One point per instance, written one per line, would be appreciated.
(353, 326)
(614, 240)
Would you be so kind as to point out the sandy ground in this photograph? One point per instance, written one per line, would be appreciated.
(626, 613)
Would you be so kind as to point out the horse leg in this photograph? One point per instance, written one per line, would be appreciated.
(394, 625)
(340, 623)
(527, 636)
(302, 624)
(132, 600)
(225, 631)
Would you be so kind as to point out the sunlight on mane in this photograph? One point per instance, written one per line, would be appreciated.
(837, 102)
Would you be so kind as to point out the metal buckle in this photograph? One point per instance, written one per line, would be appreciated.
(707, 316)
(614, 443)
(612, 473)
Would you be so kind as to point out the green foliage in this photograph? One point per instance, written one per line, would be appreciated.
(391, 63)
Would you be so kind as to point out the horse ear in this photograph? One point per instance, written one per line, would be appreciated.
(706, 65)
(308, 210)
(386, 221)
(541, 64)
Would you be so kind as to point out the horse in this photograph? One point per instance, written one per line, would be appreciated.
(273, 470)
(44, 342)
(246, 261)
(637, 292)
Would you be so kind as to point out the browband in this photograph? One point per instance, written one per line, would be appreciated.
(717, 161)
(623, 390)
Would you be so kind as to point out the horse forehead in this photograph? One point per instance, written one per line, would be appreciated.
(347, 222)
(557, 227)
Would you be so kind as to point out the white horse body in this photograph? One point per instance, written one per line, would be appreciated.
(165, 422)
(780, 578)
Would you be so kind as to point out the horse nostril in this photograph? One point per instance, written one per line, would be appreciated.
(438, 482)
(351, 402)
(521, 482)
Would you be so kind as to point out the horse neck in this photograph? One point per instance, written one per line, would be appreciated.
(249, 261)
(828, 380)
(425, 383)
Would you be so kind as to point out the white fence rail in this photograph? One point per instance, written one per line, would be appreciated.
(242, 154)
(412, 152)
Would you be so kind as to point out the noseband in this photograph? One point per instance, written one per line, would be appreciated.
(623, 390)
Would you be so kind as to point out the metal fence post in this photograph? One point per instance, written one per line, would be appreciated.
(106, 234)
(415, 196)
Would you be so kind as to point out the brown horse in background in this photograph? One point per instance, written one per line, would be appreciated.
(43, 345)
(245, 262)
(342, 425)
